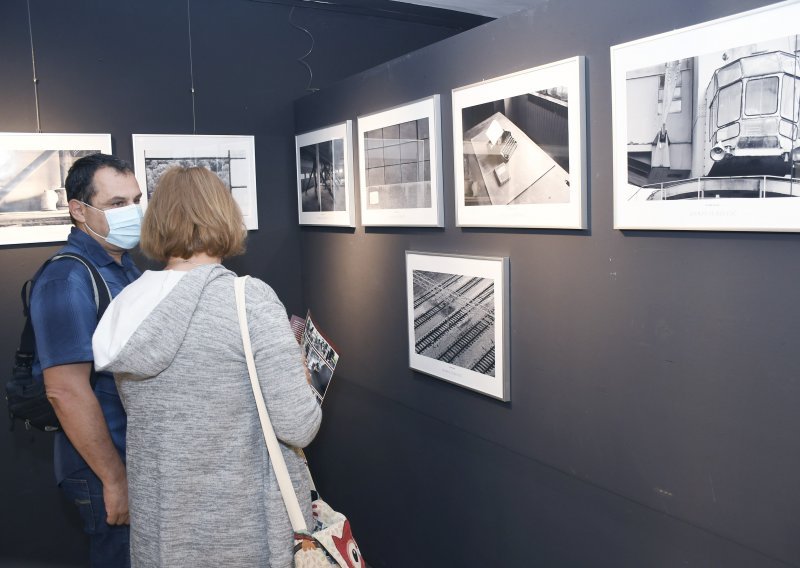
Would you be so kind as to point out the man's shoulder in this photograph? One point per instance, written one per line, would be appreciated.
(66, 268)
(62, 277)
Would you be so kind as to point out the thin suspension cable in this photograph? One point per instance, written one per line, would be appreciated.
(302, 59)
(35, 78)
(191, 64)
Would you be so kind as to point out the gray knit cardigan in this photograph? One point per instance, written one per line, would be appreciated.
(202, 490)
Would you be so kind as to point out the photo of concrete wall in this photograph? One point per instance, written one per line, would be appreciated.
(398, 167)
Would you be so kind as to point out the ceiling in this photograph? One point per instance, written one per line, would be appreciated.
(455, 14)
(488, 8)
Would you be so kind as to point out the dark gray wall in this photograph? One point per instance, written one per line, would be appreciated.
(654, 386)
(122, 67)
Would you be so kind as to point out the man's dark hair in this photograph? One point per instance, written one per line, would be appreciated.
(81, 175)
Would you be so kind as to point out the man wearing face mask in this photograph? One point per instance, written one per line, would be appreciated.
(89, 455)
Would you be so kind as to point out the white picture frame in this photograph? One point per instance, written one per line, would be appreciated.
(458, 320)
(521, 161)
(400, 165)
(232, 158)
(324, 170)
(722, 154)
(33, 167)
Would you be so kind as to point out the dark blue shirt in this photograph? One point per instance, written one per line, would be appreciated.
(64, 316)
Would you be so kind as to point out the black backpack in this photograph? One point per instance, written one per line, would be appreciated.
(27, 400)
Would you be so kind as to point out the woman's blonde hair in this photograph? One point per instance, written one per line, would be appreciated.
(192, 211)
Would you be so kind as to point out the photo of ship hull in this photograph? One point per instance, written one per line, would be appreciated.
(454, 319)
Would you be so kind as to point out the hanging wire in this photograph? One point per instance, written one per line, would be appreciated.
(191, 63)
(302, 60)
(35, 78)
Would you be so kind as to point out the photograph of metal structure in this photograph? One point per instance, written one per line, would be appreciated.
(33, 168)
(220, 165)
(516, 150)
(457, 320)
(324, 176)
(400, 165)
(232, 158)
(716, 130)
(521, 160)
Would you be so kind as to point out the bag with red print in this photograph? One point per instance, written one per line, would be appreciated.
(330, 542)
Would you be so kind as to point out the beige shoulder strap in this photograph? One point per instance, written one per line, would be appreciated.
(274, 449)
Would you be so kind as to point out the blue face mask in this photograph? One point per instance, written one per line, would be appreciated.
(124, 225)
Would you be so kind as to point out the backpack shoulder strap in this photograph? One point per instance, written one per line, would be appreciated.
(102, 294)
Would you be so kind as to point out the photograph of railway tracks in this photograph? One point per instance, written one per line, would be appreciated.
(457, 320)
(33, 168)
(520, 156)
(709, 120)
(324, 176)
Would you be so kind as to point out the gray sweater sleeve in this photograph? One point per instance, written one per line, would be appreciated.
(292, 406)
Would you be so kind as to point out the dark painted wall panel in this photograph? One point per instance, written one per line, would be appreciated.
(123, 67)
(657, 366)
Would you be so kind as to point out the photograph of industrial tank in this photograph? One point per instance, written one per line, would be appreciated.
(706, 125)
(455, 332)
(321, 358)
(324, 178)
(520, 156)
(232, 158)
(33, 168)
(400, 165)
(516, 150)
(721, 125)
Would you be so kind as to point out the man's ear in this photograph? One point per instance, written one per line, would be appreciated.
(76, 210)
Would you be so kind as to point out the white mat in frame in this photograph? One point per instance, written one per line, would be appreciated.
(232, 158)
(324, 168)
(400, 165)
(458, 320)
(514, 166)
(33, 167)
(719, 155)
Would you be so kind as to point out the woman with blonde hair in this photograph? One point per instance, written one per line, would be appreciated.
(201, 487)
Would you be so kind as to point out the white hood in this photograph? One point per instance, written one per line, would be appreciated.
(127, 312)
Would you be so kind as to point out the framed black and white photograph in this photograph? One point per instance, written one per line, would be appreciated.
(33, 168)
(706, 125)
(232, 158)
(521, 159)
(400, 157)
(458, 320)
(324, 161)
